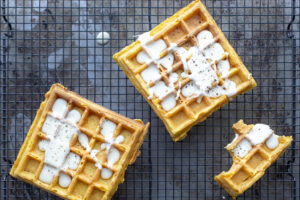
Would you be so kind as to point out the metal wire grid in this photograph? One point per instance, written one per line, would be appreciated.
(43, 43)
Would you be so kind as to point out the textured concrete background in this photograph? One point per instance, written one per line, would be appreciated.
(43, 42)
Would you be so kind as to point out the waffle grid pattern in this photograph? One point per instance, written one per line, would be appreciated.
(247, 170)
(264, 33)
(86, 180)
(182, 29)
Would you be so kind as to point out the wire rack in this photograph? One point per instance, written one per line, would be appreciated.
(43, 42)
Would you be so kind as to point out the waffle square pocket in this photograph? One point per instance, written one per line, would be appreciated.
(77, 149)
(185, 68)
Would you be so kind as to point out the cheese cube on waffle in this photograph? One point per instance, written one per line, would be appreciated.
(77, 149)
(254, 149)
(185, 68)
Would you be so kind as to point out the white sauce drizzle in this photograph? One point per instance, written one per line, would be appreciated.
(173, 77)
(84, 141)
(107, 130)
(64, 180)
(154, 48)
(106, 173)
(72, 162)
(113, 157)
(214, 52)
(169, 103)
(242, 149)
(50, 126)
(205, 38)
(59, 130)
(234, 139)
(161, 90)
(272, 142)
(151, 73)
(199, 66)
(47, 174)
(43, 145)
(260, 133)
(60, 108)
(59, 127)
(223, 67)
(189, 89)
(142, 58)
(73, 116)
(93, 155)
(167, 62)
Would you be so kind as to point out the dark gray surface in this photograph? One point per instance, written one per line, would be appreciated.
(56, 43)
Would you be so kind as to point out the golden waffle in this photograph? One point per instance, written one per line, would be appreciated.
(90, 170)
(181, 30)
(245, 171)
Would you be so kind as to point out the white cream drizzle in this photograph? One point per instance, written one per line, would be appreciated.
(273, 141)
(223, 67)
(48, 173)
(107, 130)
(93, 155)
(59, 130)
(142, 57)
(160, 90)
(169, 102)
(199, 66)
(234, 139)
(84, 141)
(205, 38)
(50, 126)
(151, 74)
(173, 77)
(242, 149)
(113, 157)
(106, 173)
(60, 108)
(72, 161)
(260, 133)
(43, 145)
(167, 62)
(64, 180)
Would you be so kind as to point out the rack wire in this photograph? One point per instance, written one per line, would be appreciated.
(48, 41)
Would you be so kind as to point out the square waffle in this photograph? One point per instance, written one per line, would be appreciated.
(254, 149)
(77, 149)
(185, 68)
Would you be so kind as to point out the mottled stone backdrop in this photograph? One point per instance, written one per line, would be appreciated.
(48, 41)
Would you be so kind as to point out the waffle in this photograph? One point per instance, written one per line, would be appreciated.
(161, 65)
(77, 149)
(254, 149)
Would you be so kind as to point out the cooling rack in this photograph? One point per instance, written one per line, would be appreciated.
(48, 41)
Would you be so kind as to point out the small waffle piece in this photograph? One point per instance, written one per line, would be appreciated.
(77, 149)
(185, 68)
(254, 149)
